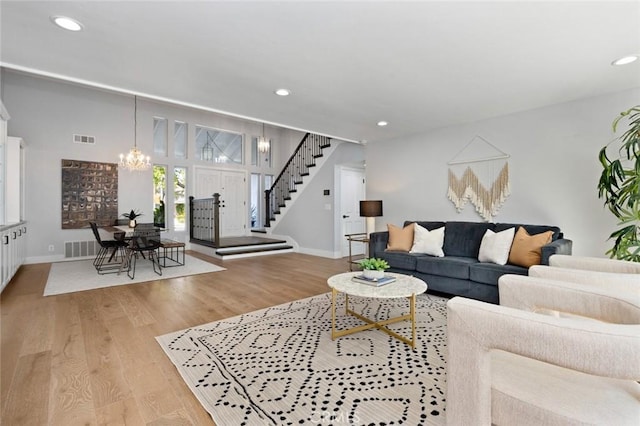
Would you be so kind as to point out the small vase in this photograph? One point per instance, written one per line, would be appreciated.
(132, 223)
(373, 274)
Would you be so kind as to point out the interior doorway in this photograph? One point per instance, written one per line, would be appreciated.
(352, 190)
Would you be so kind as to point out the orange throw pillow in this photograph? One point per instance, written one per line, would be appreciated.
(400, 239)
(526, 250)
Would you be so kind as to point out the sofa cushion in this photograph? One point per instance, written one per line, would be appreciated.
(400, 239)
(489, 273)
(495, 246)
(448, 266)
(526, 249)
(463, 239)
(428, 242)
(426, 224)
(531, 229)
(400, 260)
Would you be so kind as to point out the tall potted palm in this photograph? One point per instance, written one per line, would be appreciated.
(619, 185)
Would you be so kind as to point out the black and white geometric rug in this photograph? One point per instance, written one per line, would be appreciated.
(279, 366)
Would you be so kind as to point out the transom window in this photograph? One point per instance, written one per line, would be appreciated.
(218, 146)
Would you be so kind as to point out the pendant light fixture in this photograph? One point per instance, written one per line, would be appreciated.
(207, 149)
(135, 160)
(263, 143)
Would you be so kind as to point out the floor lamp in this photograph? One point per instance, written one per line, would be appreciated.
(371, 209)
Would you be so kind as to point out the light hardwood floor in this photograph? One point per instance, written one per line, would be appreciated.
(91, 358)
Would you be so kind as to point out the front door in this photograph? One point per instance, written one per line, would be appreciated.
(231, 185)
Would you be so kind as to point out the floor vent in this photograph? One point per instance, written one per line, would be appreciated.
(80, 248)
(84, 139)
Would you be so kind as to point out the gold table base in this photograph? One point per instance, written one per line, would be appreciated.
(380, 325)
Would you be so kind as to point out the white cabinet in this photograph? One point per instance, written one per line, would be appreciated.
(13, 229)
(3, 144)
(13, 243)
(14, 180)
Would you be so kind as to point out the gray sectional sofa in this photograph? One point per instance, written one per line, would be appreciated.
(459, 272)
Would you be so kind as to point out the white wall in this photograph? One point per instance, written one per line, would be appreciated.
(554, 166)
(554, 170)
(46, 113)
(312, 219)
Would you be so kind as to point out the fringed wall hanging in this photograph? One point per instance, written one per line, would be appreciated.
(479, 173)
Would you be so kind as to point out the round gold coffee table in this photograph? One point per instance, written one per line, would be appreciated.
(404, 286)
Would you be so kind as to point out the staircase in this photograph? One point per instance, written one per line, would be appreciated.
(293, 173)
(204, 213)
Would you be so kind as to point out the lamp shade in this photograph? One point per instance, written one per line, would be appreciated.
(371, 208)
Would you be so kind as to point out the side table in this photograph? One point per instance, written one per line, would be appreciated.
(357, 238)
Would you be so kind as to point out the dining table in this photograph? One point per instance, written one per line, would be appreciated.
(124, 233)
(119, 232)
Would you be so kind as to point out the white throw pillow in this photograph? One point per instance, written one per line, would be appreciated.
(495, 247)
(428, 242)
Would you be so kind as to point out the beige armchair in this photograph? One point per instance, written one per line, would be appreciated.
(599, 264)
(509, 365)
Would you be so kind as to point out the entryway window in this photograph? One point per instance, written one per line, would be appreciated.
(256, 201)
(180, 140)
(218, 146)
(260, 159)
(159, 195)
(259, 183)
(160, 136)
(179, 191)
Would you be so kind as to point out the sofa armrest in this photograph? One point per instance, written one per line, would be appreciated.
(378, 242)
(559, 246)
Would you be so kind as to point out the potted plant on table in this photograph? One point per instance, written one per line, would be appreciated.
(373, 267)
(132, 217)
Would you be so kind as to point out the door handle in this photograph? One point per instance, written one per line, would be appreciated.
(344, 216)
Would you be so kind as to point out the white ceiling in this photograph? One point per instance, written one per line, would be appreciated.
(417, 65)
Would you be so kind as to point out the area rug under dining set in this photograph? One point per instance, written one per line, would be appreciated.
(279, 366)
(81, 275)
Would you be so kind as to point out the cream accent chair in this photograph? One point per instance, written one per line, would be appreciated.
(599, 264)
(509, 365)
(625, 286)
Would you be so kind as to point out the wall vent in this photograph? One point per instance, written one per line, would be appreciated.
(80, 249)
(84, 139)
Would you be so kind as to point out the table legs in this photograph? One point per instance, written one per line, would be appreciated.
(380, 325)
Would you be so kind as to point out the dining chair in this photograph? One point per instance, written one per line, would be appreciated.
(145, 240)
(109, 250)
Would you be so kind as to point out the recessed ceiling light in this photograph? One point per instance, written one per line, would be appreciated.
(382, 123)
(66, 23)
(625, 60)
(283, 92)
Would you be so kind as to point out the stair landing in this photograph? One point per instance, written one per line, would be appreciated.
(244, 246)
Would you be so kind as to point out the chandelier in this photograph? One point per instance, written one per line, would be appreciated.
(263, 143)
(135, 160)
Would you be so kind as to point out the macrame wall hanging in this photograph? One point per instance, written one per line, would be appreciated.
(479, 173)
